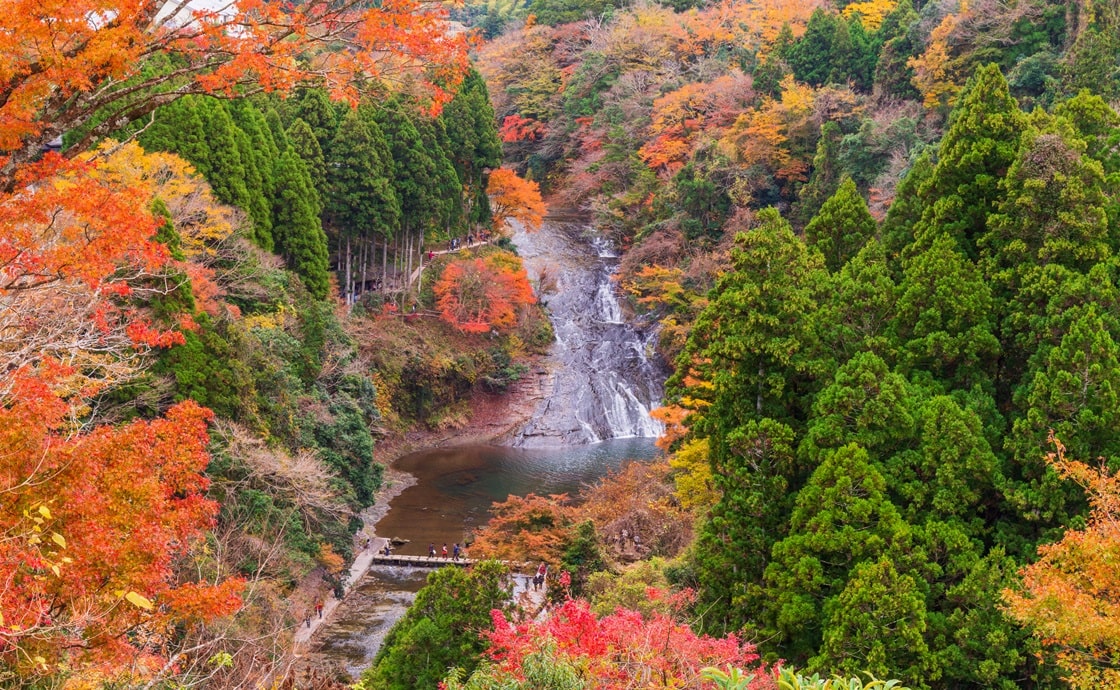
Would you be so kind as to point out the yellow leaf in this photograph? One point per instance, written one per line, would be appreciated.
(58, 539)
(57, 571)
(139, 601)
(45, 512)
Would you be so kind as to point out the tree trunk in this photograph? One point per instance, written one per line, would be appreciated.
(365, 261)
(348, 289)
(384, 262)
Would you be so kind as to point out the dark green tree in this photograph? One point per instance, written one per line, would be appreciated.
(757, 475)
(474, 146)
(297, 229)
(307, 147)
(867, 404)
(314, 107)
(892, 73)
(276, 126)
(449, 191)
(442, 629)
(876, 626)
(978, 149)
(842, 227)
(259, 154)
(363, 199)
(843, 517)
(583, 557)
(811, 56)
(225, 170)
(177, 127)
(414, 169)
(857, 312)
(1093, 63)
(946, 317)
(1075, 393)
(1053, 209)
(825, 178)
(906, 211)
(703, 203)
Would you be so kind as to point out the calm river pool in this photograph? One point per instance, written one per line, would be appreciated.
(452, 496)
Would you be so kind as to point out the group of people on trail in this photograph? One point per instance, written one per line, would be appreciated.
(456, 551)
(471, 238)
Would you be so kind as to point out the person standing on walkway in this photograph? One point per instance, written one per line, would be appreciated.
(456, 551)
(445, 550)
(319, 608)
(431, 550)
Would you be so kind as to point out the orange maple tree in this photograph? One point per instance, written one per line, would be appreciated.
(93, 519)
(534, 528)
(68, 63)
(514, 198)
(480, 294)
(1069, 598)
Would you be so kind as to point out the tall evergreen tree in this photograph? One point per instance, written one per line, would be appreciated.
(307, 147)
(906, 211)
(449, 191)
(892, 73)
(946, 317)
(414, 175)
(842, 227)
(810, 58)
(975, 154)
(843, 517)
(259, 154)
(858, 309)
(297, 228)
(363, 199)
(826, 176)
(472, 132)
(756, 347)
(314, 107)
(178, 127)
(1053, 209)
(225, 171)
(876, 625)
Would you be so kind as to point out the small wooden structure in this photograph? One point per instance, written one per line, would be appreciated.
(432, 561)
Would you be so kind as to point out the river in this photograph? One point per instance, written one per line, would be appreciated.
(594, 418)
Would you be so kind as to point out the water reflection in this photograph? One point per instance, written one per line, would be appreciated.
(453, 493)
(456, 486)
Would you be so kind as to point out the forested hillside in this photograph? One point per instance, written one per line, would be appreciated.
(212, 309)
(880, 241)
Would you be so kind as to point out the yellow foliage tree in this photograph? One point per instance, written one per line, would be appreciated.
(871, 12)
(934, 75)
(1070, 598)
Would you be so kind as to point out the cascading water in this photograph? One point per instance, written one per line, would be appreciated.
(604, 383)
(602, 386)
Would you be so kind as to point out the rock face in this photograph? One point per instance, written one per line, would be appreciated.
(602, 382)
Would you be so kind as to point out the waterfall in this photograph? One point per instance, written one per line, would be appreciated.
(604, 379)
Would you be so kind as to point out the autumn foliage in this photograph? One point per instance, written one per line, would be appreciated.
(480, 294)
(65, 60)
(1069, 597)
(622, 650)
(514, 198)
(532, 527)
(92, 526)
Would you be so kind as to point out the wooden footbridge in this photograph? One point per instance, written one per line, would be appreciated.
(435, 561)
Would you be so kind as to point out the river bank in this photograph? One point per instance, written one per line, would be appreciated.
(494, 418)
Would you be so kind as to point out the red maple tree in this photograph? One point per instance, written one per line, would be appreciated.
(481, 294)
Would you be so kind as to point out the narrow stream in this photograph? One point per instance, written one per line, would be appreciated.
(595, 418)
